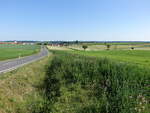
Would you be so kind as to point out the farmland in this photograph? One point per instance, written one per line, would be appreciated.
(140, 54)
(141, 57)
(9, 51)
(113, 46)
(90, 81)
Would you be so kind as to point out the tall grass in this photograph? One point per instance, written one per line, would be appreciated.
(79, 84)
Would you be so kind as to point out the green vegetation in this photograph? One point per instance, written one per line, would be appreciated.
(132, 48)
(114, 81)
(84, 47)
(112, 46)
(21, 89)
(118, 43)
(141, 57)
(108, 46)
(9, 51)
(80, 84)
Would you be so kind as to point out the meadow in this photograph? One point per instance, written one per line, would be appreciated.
(9, 51)
(139, 57)
(81, 84)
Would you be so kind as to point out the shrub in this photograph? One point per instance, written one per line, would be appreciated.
(132, 48)
(84, 47)
(108, 46)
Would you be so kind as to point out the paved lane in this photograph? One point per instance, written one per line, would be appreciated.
(9, 65)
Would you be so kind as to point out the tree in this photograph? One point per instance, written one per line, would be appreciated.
(76, 42)
(39, 43)
(132, 48)
(45, 43)
(84, 47)
(108, 46)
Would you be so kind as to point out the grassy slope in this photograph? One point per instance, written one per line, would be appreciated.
(77, 84)
(135, 56)
(9, 52)
(19, 89)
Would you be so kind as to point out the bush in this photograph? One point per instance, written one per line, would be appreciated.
(84, 47)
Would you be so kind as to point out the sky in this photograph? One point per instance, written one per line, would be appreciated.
(69, 20)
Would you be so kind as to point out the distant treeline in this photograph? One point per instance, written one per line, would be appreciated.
(79, 42)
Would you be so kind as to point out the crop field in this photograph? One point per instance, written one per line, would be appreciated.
(57, 48)
(113, 46)
(9, 51)
(141, 57)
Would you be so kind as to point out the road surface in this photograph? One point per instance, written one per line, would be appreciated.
(10, 65)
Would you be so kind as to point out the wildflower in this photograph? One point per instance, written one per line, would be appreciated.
(140, 103)
(140, 96)
(143, 99)
(139, 110)
(143, 107)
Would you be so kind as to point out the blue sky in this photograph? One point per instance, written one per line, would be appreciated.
(101, 20)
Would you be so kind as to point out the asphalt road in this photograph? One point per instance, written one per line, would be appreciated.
(10, 65)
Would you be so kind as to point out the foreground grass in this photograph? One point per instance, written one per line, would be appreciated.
(21, 88)
(15, 51)
(80, 84)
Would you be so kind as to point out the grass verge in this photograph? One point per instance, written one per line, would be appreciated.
(21, 88)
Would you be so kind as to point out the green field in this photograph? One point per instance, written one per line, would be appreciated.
(75, 82)
(141, 57)
(118, 43)
(9, 51)
(113, 46)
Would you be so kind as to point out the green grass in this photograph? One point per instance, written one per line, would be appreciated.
(9, 51)
(79, 84)
(141, 57)
(21, 89)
